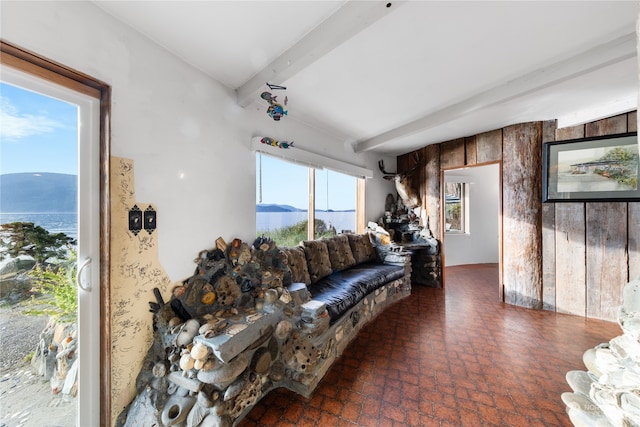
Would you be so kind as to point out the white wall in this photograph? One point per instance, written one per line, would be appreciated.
(187, 136)
(481, 244)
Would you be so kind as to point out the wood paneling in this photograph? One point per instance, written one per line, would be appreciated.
(522, 214)
(570, 262)
(489, 146)
(552, 257)
(610, 126)
(470, 150)
(573, 132)
(606, 260)
(632, 122)
(452, 154)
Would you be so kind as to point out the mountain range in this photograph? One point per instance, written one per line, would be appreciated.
(38, 192)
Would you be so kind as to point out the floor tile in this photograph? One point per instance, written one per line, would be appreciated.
(447, 357)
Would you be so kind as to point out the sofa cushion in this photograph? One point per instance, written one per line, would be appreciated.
(318, 262)
(298, 265)
(339, 252)
(343, 290)
(362, 248)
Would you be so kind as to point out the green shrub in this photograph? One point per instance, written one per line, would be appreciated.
(292, 235)
(57, 283)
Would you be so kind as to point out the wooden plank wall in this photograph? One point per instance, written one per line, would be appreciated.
(596, 244)
(566, 257)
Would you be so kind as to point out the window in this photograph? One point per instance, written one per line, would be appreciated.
(283, 202)
(456, 207)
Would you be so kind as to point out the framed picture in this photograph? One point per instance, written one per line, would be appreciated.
(603, 168)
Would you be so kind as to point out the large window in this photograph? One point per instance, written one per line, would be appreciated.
(286, 194)
(335, 202)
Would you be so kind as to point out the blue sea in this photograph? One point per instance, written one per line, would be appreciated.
(53, 222)
(341, 220)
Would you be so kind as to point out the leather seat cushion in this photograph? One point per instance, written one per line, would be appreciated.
(342, 290)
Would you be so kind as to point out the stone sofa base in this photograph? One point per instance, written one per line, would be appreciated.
(217, 377)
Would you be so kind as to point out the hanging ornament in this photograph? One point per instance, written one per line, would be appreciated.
(275, 143)
(275, 110)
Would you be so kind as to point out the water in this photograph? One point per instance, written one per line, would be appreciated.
(53, 222)
(273, 220)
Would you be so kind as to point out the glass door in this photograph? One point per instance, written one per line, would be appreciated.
(50, 179)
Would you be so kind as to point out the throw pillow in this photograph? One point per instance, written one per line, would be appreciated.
(318, 261)
(362, 248)
(340, 253)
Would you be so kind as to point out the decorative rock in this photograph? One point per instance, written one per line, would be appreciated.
(186, 383)
(221, 244)
(270, 296)
(188, 332)
(283, 329)
(261, 361)
(176, 410)
(609, 394)
(234, 389)
(159, 370)
(580, 381)
(223, 375)
(208, 298)
(313, 308)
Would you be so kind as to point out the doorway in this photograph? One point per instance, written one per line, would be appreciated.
(89, 99)
(471, 215)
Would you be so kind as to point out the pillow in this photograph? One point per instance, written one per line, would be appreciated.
(362, 248)
(318, 261)
(298, 265)
(339, 252)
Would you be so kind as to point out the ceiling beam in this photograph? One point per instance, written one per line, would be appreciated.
(352, 17)
(617, 50)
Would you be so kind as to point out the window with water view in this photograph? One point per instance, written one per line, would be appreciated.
(282, 201)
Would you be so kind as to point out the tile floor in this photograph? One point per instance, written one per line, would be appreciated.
(453, 357)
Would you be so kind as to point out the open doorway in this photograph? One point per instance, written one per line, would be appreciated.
(471, 215)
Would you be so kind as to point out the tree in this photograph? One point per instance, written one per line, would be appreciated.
(26, 238)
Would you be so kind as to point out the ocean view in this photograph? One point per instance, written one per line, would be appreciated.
(53, 222)
(345, 220)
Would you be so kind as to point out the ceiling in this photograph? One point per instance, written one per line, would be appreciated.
(393, 76)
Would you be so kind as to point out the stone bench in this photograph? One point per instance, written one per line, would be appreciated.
(246, 322)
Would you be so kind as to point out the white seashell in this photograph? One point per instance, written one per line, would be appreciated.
(198, 364)
(199, 351)
(186, 362)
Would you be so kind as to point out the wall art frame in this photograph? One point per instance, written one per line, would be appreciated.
(602, 168)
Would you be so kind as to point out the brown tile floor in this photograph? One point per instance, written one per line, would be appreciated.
(453, 357)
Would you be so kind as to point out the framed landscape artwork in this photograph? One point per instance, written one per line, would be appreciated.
(603, 168)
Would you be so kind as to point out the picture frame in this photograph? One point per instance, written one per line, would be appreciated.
(603, 168)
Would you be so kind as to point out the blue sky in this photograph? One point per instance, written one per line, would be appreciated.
(286, 183)
(37, 133)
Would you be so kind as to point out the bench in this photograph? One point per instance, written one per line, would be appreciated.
(256, 317)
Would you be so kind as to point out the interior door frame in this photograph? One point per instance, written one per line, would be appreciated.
(39, 66)
(500, 230)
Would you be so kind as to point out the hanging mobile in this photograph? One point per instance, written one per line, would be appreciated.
(275, 110)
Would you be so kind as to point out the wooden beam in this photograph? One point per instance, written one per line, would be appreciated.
(353, 17)
(601, 56)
